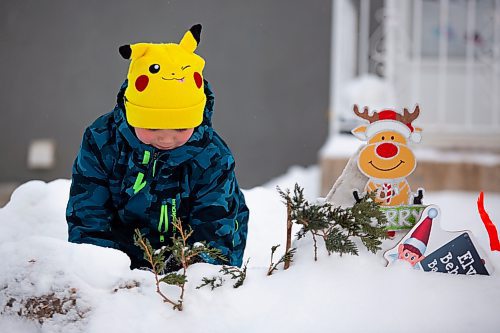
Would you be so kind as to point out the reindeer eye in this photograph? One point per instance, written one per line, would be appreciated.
(155, 68)
(392, 137)
(383, 137)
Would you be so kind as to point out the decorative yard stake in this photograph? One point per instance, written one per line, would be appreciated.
(387, 160)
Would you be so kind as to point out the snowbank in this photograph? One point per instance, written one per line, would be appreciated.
(99, 293)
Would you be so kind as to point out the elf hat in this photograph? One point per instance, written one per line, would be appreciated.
(165, 83)
(420, 237)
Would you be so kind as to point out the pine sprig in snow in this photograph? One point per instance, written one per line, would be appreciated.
(180, 251)
(335, 225)
(235, 273)
(285, 258)
(213, 282)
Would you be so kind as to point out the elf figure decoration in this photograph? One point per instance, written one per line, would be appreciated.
(430, 248)
(387, 159)
(412, 248)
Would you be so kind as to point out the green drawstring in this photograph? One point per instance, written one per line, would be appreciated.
(139, 184)
(147, 156)
(163, 222)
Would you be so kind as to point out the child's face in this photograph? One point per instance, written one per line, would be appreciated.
(164, 139)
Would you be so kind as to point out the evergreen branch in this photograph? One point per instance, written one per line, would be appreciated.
(181, 252)
(145, 245)
(200, 249)
(289, 225)
(335, 225)
(287, 257)
(315, 246)
(174, 279)
(236, 274)
(181, 245)
(272, 266)
(213, 282)
(337, 241)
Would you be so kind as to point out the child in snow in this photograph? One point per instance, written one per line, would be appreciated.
(155, 158)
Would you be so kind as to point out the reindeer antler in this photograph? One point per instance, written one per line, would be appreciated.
(365, 114)
(408, 116)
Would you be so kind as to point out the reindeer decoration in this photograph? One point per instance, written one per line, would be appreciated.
(386, 159)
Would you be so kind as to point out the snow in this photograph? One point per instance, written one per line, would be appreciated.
(344, 146)
(366, 90)
(346, 294)
(340, 145)
(481, 158)
(308, 178)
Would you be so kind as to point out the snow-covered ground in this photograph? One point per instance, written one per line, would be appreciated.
(340, 294)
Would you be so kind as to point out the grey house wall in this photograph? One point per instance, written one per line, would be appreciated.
(268, 62)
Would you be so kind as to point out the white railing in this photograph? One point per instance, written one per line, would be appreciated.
(453, 71)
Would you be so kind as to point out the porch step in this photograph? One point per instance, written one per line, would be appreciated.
(435, 171)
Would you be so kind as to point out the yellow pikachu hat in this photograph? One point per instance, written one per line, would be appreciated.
(165, 83)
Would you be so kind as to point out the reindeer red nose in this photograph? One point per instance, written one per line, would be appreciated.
(386, 150)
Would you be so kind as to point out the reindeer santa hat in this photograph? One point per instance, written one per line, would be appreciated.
(389, 120)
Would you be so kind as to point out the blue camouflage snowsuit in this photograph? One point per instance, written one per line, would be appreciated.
(120, 184)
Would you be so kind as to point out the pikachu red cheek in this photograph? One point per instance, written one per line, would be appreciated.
(198, 79)
(141, 83)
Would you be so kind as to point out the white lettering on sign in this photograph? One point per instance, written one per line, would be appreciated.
(391, 216)
(446, 258)
(466, 260)
(433, 265)
(454, 270)
(471, 271)
(403, 217)
(416, 213)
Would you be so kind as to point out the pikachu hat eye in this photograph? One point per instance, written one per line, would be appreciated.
(155, 68)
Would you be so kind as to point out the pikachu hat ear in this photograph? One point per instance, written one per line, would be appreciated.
(191, 38)
(133, 51)
(189, 42)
